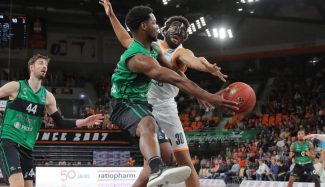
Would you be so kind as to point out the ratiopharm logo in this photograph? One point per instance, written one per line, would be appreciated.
(116, 175)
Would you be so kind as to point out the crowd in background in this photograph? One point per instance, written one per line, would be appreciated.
(293, 103)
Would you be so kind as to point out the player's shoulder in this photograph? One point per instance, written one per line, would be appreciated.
(13, 85)
(156, 46)
(49, 94)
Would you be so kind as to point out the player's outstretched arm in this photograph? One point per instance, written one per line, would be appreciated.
(320, 137)
(120, 32)
(10, 89)
(151, 68)
(187, 57)
(52, 110)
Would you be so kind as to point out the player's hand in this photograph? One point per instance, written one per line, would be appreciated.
(221, 103)
(307, 153)
(310, 137)
(92, 120)
(205, 105)
(214, 69)
(107, 6)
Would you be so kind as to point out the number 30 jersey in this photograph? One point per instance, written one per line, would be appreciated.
(160, 92)
(24, 115)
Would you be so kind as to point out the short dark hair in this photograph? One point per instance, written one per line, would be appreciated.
(33, 59)
(301, 130)
(170, 20)
(136, 16)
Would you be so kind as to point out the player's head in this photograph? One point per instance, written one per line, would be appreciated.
(175, 31)
(37, 65)
(142, 19)
(301, 134)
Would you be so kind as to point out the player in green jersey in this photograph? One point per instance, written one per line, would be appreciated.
(130, 83)
(28, 101)
(303, 151)
(161, 95)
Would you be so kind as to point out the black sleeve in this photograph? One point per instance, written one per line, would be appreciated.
(62, 123)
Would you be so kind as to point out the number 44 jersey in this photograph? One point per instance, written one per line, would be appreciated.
(24, 115)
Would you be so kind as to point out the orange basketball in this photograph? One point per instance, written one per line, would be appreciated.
(243, 94)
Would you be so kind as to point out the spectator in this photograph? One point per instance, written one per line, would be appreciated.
(274, 170)
(232, 172)
(131, 162)
(283, 173)
(262, 170)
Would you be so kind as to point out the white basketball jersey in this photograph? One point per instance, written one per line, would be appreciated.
(160, 92)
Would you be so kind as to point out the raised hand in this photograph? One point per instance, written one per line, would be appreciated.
(308, 153)
(107, 6)
(214, 69)
(320, 137)
(310, 137)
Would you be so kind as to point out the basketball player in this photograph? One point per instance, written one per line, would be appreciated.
(303, 151)
(130, 85)
(320, 137)
(161, 95)
(24, 114)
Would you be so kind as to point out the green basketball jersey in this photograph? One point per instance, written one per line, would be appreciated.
(24, 115)
(299, 150)
(131, 85)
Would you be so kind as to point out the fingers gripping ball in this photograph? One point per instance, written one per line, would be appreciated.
(243, 94)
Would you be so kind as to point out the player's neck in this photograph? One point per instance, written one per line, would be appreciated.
(144, 41)
(301, 141)
(34, 83)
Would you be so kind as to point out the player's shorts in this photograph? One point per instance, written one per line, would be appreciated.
(127, 115)
(14, 159)
(166, 115)
(300, 170)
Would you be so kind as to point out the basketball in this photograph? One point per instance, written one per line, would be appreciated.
(243, 94)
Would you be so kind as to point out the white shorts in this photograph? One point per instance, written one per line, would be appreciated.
(166, 115)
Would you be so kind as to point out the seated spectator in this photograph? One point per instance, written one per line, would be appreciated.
(218, 169)
(283, 173)
(214, 169)
(274, 170)
(262, 170)
(232, 172)
(131, 162)
(203, 162)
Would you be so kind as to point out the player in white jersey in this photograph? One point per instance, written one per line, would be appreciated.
(161, 95)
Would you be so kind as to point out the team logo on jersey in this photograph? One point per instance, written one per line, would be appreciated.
(17, 125)
(25, 91)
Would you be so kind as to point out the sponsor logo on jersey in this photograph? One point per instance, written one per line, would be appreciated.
(17, 125)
